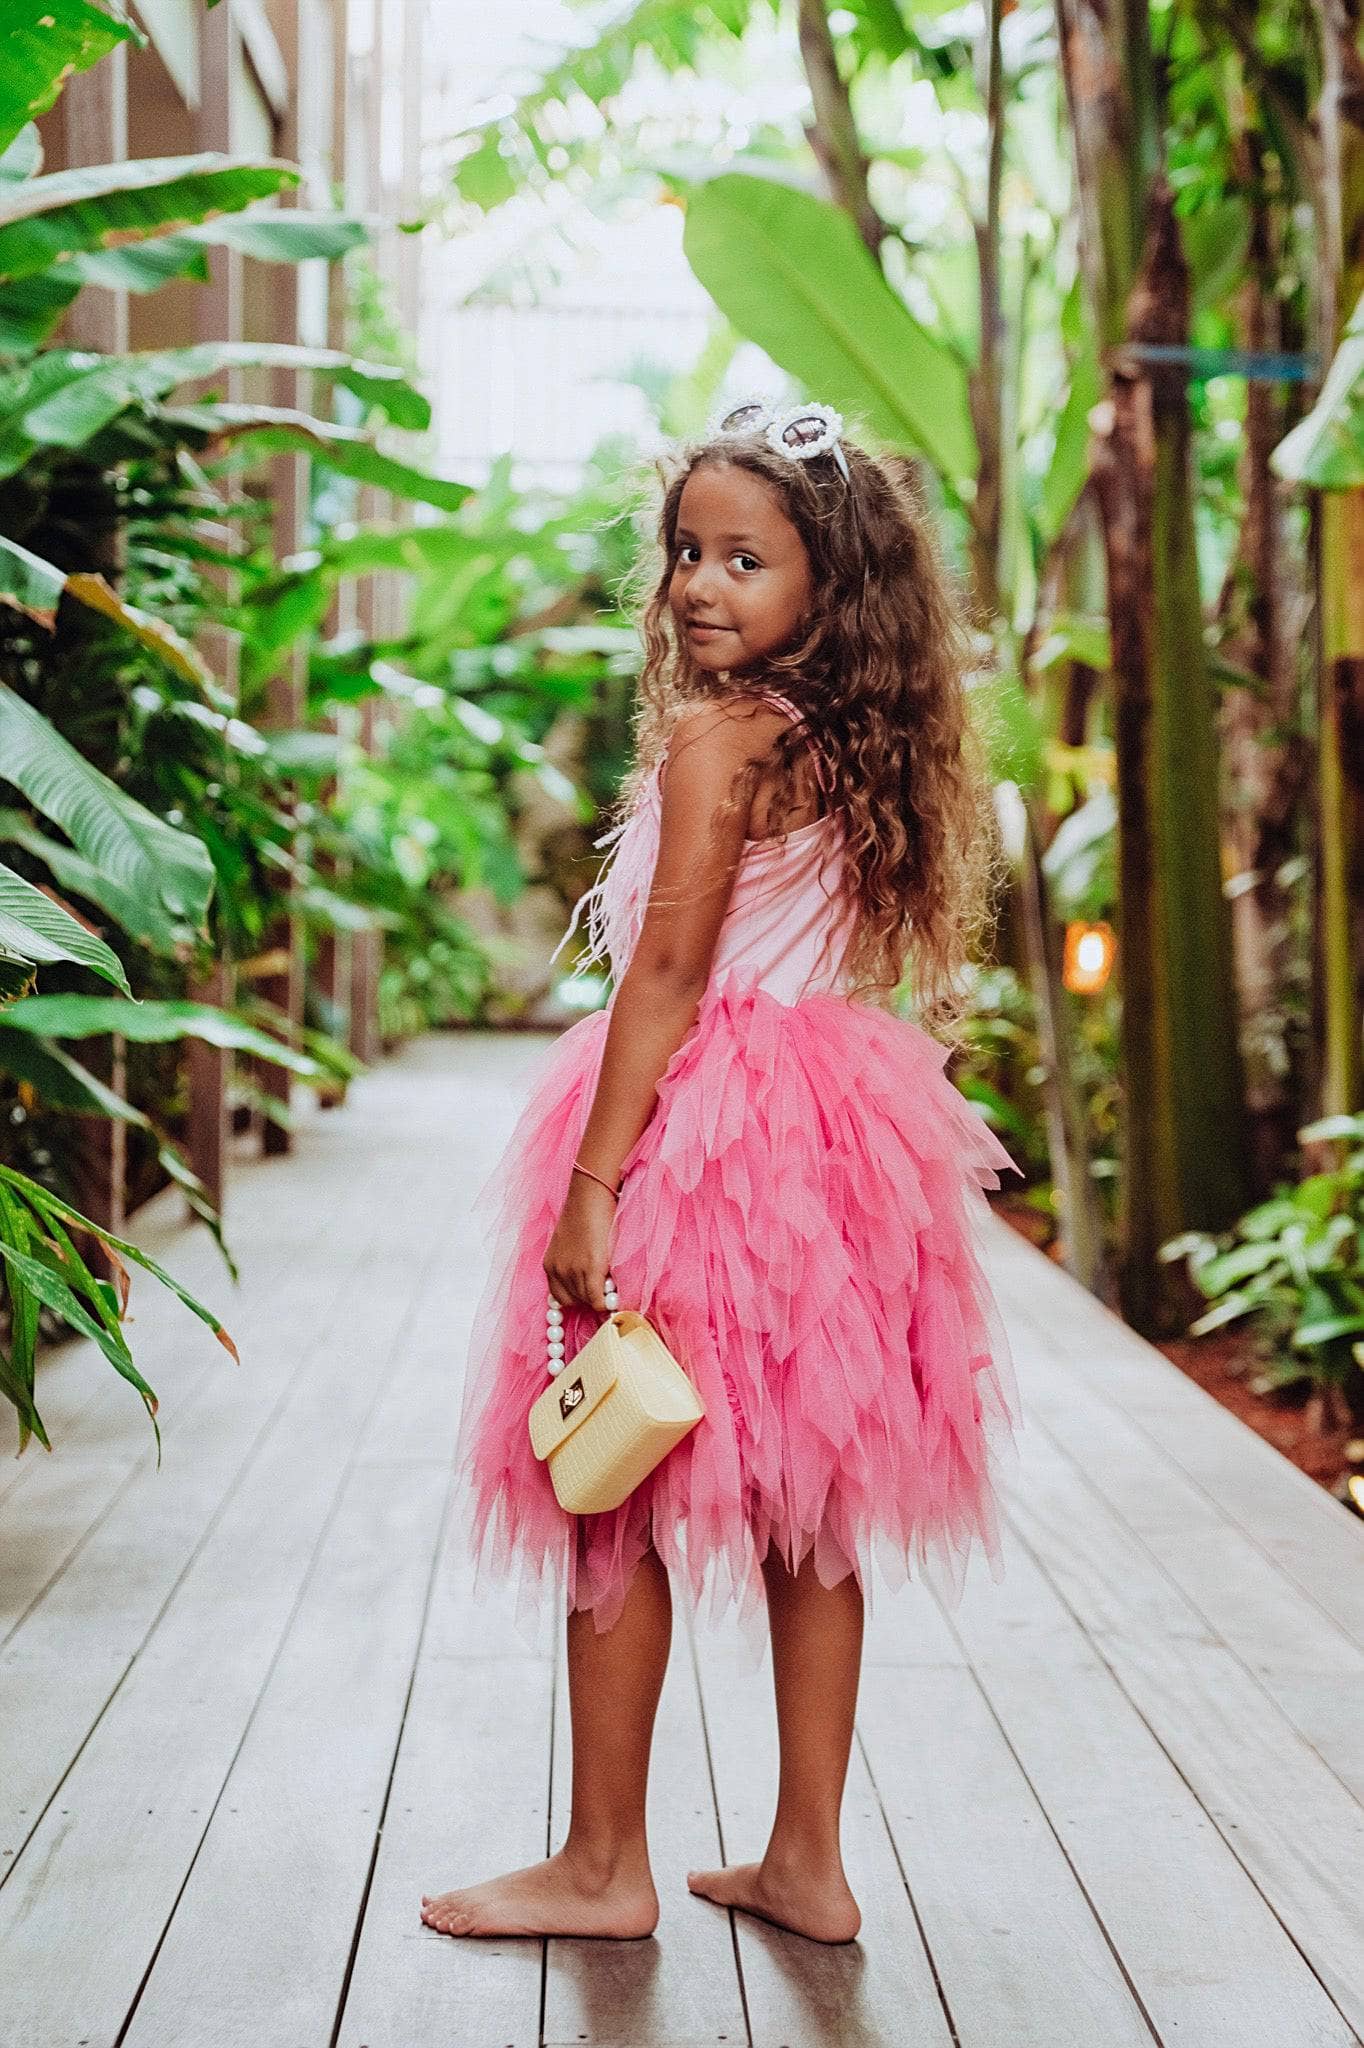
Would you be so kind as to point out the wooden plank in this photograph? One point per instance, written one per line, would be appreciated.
(163, 1747)
(1204, 1953)
(1116, 1764)
(185, 1704)
(1286, 1817)
(1296, 1651)
(96, 1615)
(906, 1627)
(260, 1939)
(93, 1413)
(43, 1525)
(680, 1988)
(868, 1993)
(304, 1298)
(1285, 1514)
(1015, 1944)
(470, 1793)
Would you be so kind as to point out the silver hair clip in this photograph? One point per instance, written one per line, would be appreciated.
(799, 432)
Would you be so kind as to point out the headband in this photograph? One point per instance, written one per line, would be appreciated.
(799, 432)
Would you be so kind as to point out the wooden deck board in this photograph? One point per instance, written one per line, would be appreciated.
(253, 1708)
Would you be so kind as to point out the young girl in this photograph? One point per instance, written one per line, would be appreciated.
(763, 1158)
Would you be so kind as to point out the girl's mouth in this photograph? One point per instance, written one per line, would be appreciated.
(696, 626)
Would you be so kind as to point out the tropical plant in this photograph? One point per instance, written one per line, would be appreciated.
(1295, 1266)
(114, 733)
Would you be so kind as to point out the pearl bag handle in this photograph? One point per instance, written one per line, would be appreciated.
(554, 1326)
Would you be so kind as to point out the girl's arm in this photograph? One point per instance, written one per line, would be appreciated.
(657, 999)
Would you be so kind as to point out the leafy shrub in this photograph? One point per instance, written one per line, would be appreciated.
(1295, 1263)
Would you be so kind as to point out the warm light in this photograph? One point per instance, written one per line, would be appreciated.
(1354, 1486)
(1089, 955)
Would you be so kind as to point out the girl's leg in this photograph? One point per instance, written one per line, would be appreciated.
(600, 1881)
(816, 1661)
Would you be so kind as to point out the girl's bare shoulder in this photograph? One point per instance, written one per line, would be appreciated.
(740, 727)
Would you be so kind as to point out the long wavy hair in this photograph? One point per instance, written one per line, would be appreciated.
(878, 670)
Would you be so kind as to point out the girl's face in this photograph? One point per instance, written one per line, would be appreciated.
(741, 582)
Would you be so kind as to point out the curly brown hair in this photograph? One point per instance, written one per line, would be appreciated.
(877, 669)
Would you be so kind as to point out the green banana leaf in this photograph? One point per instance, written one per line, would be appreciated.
(29, 583)
(1009, 725)
(1326, 449)
(37, 587)
(32, 306)
(169, 873)
(1076, 636)
(35, 931)
(268, 430)
(81, 877)
(283, 234)
(269, 235)
(790, 272)
(61, 399)
(148, 1023)
(47, 219)
(42, 47)
(1068, 470)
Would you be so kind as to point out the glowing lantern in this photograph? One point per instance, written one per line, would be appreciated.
(1088, 962)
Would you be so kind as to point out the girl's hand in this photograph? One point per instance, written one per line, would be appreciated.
(579, 1255)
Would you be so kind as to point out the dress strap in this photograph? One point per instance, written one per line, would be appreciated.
(797, 717)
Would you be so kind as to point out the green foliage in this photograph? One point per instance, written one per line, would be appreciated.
(45, 220)
(792, 274)
(75, 1016)
(257, 430)
(1326, 448)
(44, 1269)
(35, 931)
(145, 797)
(66, 397)
(41, 51)
(165, 874)
(533, 143)
(1295, 1265)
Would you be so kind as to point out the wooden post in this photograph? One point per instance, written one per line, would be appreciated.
(218, 317)
(207, 1069)
(286, 696)
(91, 127)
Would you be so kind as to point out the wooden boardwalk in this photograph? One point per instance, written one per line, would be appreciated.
(248, 1713)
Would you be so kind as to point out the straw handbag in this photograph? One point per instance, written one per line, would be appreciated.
(605, 1420)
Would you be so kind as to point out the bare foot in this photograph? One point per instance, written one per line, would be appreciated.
(805, 1901)
(554, 1897)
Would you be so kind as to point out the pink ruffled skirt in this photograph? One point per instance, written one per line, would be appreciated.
(800, 1222)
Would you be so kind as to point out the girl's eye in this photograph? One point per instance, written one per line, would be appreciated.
(684, 547)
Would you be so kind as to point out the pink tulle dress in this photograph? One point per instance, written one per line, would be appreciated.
(799, 1220)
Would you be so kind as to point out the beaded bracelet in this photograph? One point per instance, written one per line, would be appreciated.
(578, 1167)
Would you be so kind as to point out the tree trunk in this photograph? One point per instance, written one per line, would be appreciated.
(1264, 750)
(1184, 1153)
(833, 133)
(1340, 723)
